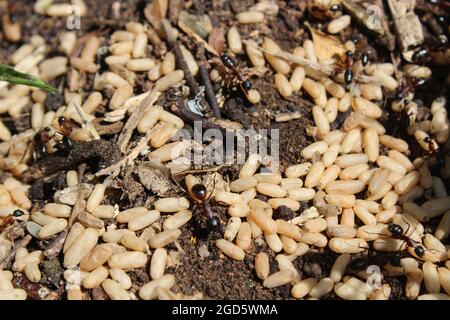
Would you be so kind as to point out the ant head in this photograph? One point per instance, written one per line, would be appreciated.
(46, 129)
(199, 192)
(420, 55)
(442, 39)
(395, 229)
(358, 264)
(427, 139)
(365, 59)
(335, 7)
(400, 96)
(349, 53)
(355, 39)
(227, 60)
(246, 85)
(214, 223)
(62, 121)
(396, 261)
(18, 213)
(419, 81)
(419, 250)
(441, 19)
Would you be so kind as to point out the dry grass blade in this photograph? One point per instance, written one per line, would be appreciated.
(326, 70)
(134, 119)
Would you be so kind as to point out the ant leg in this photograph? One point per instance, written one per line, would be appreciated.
(26, 152)
(406, 231)
(212, 191)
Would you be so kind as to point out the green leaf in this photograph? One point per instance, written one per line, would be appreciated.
(10, 75)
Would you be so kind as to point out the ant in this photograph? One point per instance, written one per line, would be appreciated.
(6, 221)
(360, 51)
(41, 139)
(230, 64)
(11, 11)
(397, 232)
(432, 149)
(409, 87)
(348, 62)
(422, 50)
(322, 12)
(361, 264)
(199, 194)
(403, 98)
(66, 127)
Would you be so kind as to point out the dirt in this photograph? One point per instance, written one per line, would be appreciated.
(218, 277)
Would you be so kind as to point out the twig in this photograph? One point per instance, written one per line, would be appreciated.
(56, 246)
(215, 169)
(181, 109)
(35, 291)
(7, 262)
(199, 39)
(106, 153)
(407, 25)
(209, 91)
(326, 69)
(181, 62)
(134, 119)
(88, 124)
(115, 168)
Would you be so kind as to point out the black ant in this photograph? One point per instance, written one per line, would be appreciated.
(230, 64)
(199, 194)
(397, 232)
(361, 264)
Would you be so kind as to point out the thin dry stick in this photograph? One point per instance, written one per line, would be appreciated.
(56, 246)
(86, 122)
(134, 119)
(181, 62)
(6, 263)
(209, 91)
(327, 70)
(128, 160)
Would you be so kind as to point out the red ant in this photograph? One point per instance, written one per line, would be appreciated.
(348, 62)
(66, 128)
(322, 12)
(230, 64)
(432, 150)
(199, 194)
(360, 51)
(11, 11)
(8, 220)
(41, 139)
